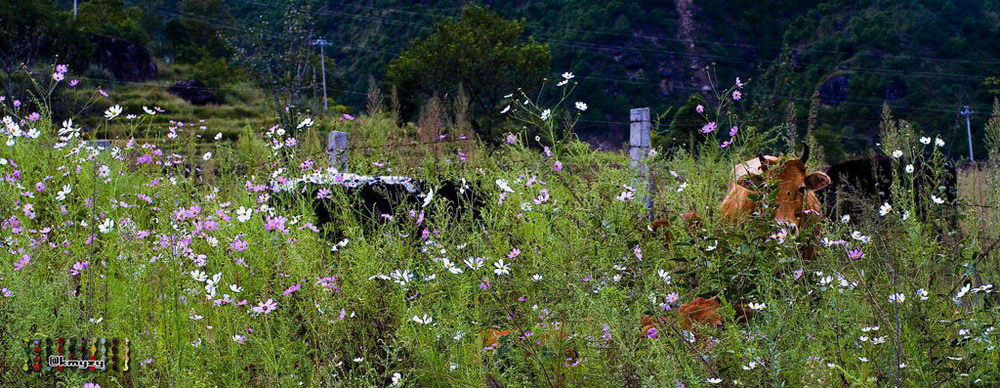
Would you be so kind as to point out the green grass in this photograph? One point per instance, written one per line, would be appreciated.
(582, 241)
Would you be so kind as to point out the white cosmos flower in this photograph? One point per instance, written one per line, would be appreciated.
(243, 214)
(505, 109)
(199, 275)
(922, 293)
(61, 195)
(963, 291)
(536, 277)
(845, 219)
(546, 113)
(568, 75)
(884, 209)
(425, 320)
(107, 225)
(113, 112)
(664, 275)
(307, 122)
(757, 306)
(148, 111)
(938, 142)
(582, 106)
(474, 262)
(937, 199)
(207, 156)
(908, 168)
(897, 153)
(898, 297)
(925, 139)
(502, 183)
(501, 268)
(714, 380)
(235, 288)
(218, 136)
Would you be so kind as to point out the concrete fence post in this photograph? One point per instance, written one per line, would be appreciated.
(336, 147)
(639, 145)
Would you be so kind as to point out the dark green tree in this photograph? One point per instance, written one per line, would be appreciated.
(278, 53)
(480, 52)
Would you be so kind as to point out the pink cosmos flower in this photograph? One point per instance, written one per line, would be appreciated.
(78, 267)
(291, 290)
(34, 116)
(23, 262)
(855, 254)
(737, 95)
(73, 82)
(709, 128)
(323, 193)
(514, 253)
(733, 131)
(239, 245)
(700, 108)
(265, 307)
(276, 223)
(652, 333)
(557, 166)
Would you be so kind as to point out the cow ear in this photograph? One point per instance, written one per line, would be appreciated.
(816, 181)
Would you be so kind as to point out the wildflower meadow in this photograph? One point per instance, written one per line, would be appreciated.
(188, 238)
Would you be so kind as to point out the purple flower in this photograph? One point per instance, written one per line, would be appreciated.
(34, 116)
(798, 273)
(291, 290)
(276, 223)
(700, 108)
(672, 297)
(513, 253)
(91, 385)
(78, 267)
(346, 117)
(23, 262)
(73, 82)
(265, 307)
(855, 254)
(733, 131)
(557, 166)
(652, 333)
(62, 69)
(709, 128)
(323, 193)
(239, 245)
(6, 292)
(737, 95)
(511, 138)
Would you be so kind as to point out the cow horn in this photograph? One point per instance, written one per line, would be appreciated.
(805, 153)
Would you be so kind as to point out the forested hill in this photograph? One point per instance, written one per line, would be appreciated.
(924, 58)
(837, 61)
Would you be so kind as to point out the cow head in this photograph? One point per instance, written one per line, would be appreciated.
(796, 189)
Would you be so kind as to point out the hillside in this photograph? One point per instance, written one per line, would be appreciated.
(924, 58)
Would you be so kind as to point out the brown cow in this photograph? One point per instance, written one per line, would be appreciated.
(797, 203)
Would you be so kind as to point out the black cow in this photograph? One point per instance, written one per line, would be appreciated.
(860, 184)
(374, 197)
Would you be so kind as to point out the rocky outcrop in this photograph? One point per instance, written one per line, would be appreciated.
(834, 90)
(194, 92)
(127, 61)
